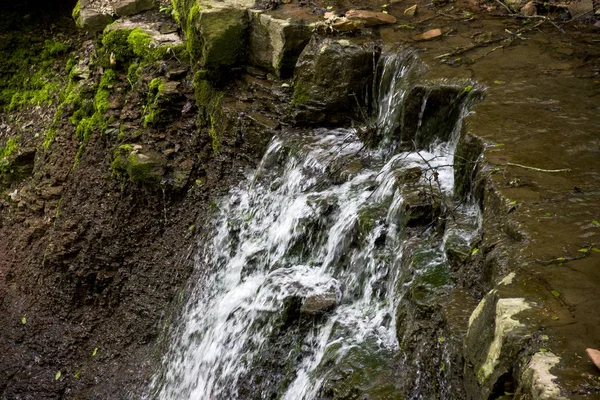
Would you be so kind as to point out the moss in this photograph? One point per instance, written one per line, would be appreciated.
(208, 100)
(116, 42)
(138, 168)
(53, 48)
(300, 95)
(152, 109)
(76, 11)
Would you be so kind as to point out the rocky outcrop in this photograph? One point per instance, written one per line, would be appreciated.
(276, 43)
(94, 15)
(333, 79)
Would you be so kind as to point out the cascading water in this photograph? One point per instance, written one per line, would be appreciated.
(303, 272)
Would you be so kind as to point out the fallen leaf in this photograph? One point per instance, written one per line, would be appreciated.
(57, 376)
(555, 293)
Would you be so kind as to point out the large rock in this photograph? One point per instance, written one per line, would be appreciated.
(91, 20)
(430, 114)
(495, 338)
(333, 78)
(131, 7)
(275, 43)
(216, 32)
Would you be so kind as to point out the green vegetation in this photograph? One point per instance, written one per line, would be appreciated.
(208, 100)
(139, 168)
(27, 73)
(8, 150)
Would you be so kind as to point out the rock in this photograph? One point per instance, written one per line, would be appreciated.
(529, 9)
(131, 7)
(216, 33)
(275, 44)
(331, 76)
(411, 11)
(92, 20)
(537, 379)
(594, 355)
(420, 205)
(125, 7)
(370, 18)
(430, 113)
(320, 303)
(158, 40)
(430, 34)
(579, 7)
(494, 341)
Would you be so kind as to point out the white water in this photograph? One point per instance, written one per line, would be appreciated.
(300, 225)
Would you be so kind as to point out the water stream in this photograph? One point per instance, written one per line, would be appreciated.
(302, 273)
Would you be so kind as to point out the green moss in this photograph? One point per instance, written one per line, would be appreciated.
(300, 95)
(8, 150)
(53, 48)
(152, 109)
(116, 42)
(76, 11)
(138, 168)
(208, 100)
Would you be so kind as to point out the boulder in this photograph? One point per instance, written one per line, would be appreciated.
(333, 78)
(275, 43)
(321, 303)
(580, 7)
(92, 20)
(430, 113)
(216, 33)
(131, 7)
(594, 355)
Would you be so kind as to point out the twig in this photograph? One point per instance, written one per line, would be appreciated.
(505, 6)
(538, 169)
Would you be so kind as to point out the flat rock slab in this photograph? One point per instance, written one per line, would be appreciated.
(594, 356)
(153, 29)
(370, 18)
(95, 15)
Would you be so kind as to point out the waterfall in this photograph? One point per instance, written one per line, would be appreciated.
(302, 275)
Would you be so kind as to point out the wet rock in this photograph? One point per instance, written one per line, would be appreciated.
(420, 205)
(321, 303)
(333, 76)
(457, 249)
(430, 34)
(494, 340)
(580, 7)
(529, 9)
(594, 355)
(370, 18)
(537, 382)
(466, 167)
(275, 43)
(411, 11)
(430, 113)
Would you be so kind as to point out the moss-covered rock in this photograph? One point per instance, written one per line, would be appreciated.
(333, 78)
(365, 371)
(146, 168)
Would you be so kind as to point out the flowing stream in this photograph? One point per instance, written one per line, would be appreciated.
(302, 273)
